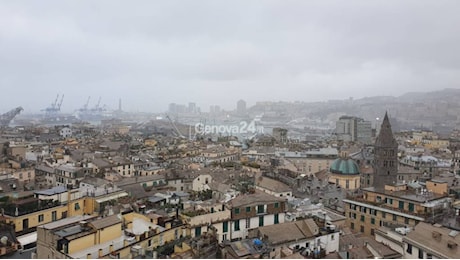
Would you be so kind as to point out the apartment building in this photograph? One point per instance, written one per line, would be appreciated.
(312, 161)
(431, 241)
(394, 205)
(127, 235)
(199, 222)
(250, 211)
(219, 154)
(28, 212)
(300, 234)
(70, 175)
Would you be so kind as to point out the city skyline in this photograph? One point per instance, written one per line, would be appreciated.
(216, 53)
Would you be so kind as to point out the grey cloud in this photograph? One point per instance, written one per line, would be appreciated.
(152, 53)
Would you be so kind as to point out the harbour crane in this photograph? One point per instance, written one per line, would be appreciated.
(175, 127)
(6, 118)
(55, 106)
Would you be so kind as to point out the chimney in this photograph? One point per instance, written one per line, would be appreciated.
(88, 256)
(436, 235)
(111, 248)
(100, 253)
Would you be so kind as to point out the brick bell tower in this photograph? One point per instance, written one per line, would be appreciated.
(385, 156)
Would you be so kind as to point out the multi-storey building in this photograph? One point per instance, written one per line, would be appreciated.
(300, 234)
(28, 212)
(393, 205)
(349, 128)
(127, 235)
(428, 241)
(250, 211)
(70, 175)
(311, 161)
(199, 222)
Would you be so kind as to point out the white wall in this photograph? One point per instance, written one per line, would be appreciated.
(199, 183)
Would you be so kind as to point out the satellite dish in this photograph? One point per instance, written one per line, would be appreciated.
(4, 240)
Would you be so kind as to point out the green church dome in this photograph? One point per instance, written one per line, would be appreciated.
(344, 166)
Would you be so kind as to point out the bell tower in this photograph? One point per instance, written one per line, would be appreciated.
(385, 156)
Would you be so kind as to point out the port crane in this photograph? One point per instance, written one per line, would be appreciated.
(175, 127)
(55, 106)
(85, 107)
(6, 118)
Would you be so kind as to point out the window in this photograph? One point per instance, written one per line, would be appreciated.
(277, 219)
(362, 218)
(277, 205)
(40, 218)
(237, 225)
(401, 204)
(225, 226)
(237, 210)
(395, 217)
(77, 206)
(361, 229)
(248, 223)
(54, 216)
(260, 209)
(248, 209)
(384, 214)
(373, 221)
(411, 207)
(261, 221)
(406, 221)
(198, 231)
(372, 232)
(420, 253)
(352, 226)
(332, 237)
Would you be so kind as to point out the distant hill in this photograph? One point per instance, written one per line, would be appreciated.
(437, 110)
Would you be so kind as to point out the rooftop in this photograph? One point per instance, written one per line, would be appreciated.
(271, 184)
(408, 194)
(52, 191)
(66, 221)
(106, 222)
(254, 199)
(289, 231)
(436, 238)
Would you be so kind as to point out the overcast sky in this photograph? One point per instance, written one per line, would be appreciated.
(152, 53)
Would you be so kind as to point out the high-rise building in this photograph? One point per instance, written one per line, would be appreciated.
(364, 131)
(192, 107)
(350, 128)
(241, 107)
(385, 156)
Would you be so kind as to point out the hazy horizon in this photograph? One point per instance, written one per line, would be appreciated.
(151, 54)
